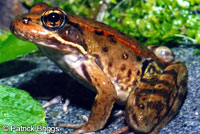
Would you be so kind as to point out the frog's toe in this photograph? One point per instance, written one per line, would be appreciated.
(122, 130)
(86, 129)
(55, 100)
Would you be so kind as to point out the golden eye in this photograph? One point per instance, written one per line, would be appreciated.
(53, 19)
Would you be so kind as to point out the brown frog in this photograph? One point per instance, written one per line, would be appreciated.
(111, 63)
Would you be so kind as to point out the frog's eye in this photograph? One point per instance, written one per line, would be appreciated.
(53, 19)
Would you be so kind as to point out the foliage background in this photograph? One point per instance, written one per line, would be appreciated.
(155, 22)
(152, 22)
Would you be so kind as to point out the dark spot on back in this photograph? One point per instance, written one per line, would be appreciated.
(112, 39)
(123, 67)
(143, 99)
(38, 20)
(134, 82)
(95, 79)
(124, 56)
(98, 32)
(105, 49)
(138, 72)
(110, 64)
(138, 58)
(129, 73)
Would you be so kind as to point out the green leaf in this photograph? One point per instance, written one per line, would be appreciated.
(18, 108)
(196, 51)
(113, 1)
(4, 36)
(160, 20)
(13, 47)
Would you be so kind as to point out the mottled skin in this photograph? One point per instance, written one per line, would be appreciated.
(115, 65)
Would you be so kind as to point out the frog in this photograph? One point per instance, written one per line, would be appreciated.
(115, 66)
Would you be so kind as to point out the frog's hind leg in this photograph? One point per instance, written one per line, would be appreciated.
(157, 99)
(181, 86)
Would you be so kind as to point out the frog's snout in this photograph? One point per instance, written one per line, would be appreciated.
(17, 28)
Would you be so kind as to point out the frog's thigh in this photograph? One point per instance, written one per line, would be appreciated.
(182, 78)
(104, 100)
(157, 99)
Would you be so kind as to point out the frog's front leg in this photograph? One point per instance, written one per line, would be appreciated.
(157, 99)
(104, 100)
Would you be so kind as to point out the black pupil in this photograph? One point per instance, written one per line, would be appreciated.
(53, 17)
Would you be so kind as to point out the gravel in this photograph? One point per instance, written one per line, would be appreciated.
(43, 80)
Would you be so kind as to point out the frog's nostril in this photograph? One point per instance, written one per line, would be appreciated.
(25, 20)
